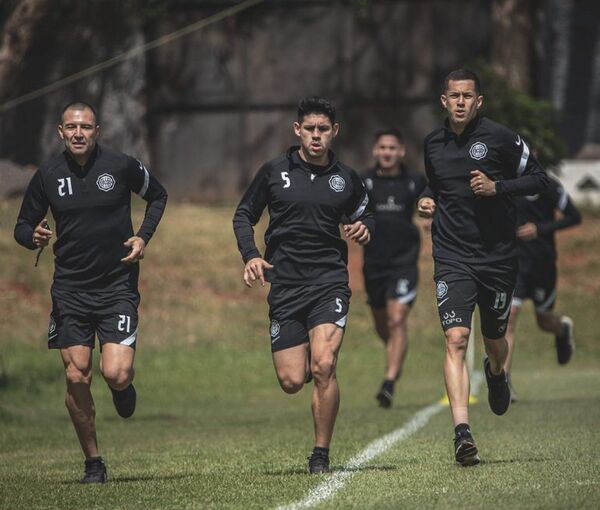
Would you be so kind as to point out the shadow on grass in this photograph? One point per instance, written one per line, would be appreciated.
(403, 408)
(337, 469)
(141, 478)
(150, 418)
(368, 468)
(545, 400)
(515, 461)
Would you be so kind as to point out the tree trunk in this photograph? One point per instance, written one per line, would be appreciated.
(16, 39)
(512, 41)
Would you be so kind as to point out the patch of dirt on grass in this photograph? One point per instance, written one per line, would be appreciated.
(19, 289)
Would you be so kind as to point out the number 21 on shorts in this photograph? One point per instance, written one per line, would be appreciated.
(124, 323)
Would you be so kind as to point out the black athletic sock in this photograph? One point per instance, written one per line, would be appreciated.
(491, 375)
(388, 385)
(321, 451)
(120, 392)
(462, 428)
(93, 460)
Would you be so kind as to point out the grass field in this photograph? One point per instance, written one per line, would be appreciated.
(213, 430)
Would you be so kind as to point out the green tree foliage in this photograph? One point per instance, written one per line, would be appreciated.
(536, 120)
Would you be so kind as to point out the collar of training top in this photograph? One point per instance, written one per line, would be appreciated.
(76, 166)
(293, 155)
(380, 175)
(469, 128)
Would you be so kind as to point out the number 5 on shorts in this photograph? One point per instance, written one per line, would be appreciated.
(339, 305)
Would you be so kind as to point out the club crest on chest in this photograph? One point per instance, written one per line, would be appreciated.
(337, 183)
(478, 150)
(105, 182)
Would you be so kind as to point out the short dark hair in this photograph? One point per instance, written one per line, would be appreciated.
(462, 74)
(390, 132)
(79, 105)
(315, 104)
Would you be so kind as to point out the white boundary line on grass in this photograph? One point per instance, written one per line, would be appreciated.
(338, 479)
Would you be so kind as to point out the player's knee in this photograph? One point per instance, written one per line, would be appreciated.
(118, 377)
(396, 322)
(291, 385)
(323, 367)
(457, 339)
(77, 375)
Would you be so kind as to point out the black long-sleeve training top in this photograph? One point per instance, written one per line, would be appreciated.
(468, 228)
(306, 205)
(539, 209)
(396, 241)
(91, 206)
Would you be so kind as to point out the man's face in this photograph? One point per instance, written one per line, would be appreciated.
(388, 152)
(461, 101)
(79, 132)
(316, 134)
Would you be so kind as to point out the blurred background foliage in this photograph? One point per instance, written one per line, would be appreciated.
(535, 119)
(205, 110)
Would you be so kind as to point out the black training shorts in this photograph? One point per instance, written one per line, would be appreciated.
(460, 286)
(536, 281)
(296, 309)
(395, 283)
(78, 316)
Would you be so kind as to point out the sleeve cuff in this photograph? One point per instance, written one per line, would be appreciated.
(31, 245)
(426, 193)
(145, 237)
(26, 239)
(545, 228)
(251, 255)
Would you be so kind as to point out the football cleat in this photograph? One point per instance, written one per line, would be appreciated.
(385, 395)
(95, 471)
(565, 345)
(318, 463)
(498, 389)
(465, 451)
(124, 401)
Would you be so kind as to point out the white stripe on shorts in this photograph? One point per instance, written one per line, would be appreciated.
(342, 322)
(546, 304)
(407, 298)
(130, 340)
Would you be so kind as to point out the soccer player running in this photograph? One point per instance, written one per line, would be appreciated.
(390, 259)
(538, 217)
(95, 289)
(474, 167)
(308, 193)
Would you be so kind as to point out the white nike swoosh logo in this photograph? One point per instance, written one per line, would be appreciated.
(518, 142)
(504, 316)
(442, 302)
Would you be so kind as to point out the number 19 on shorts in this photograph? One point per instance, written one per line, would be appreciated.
(500, 301)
